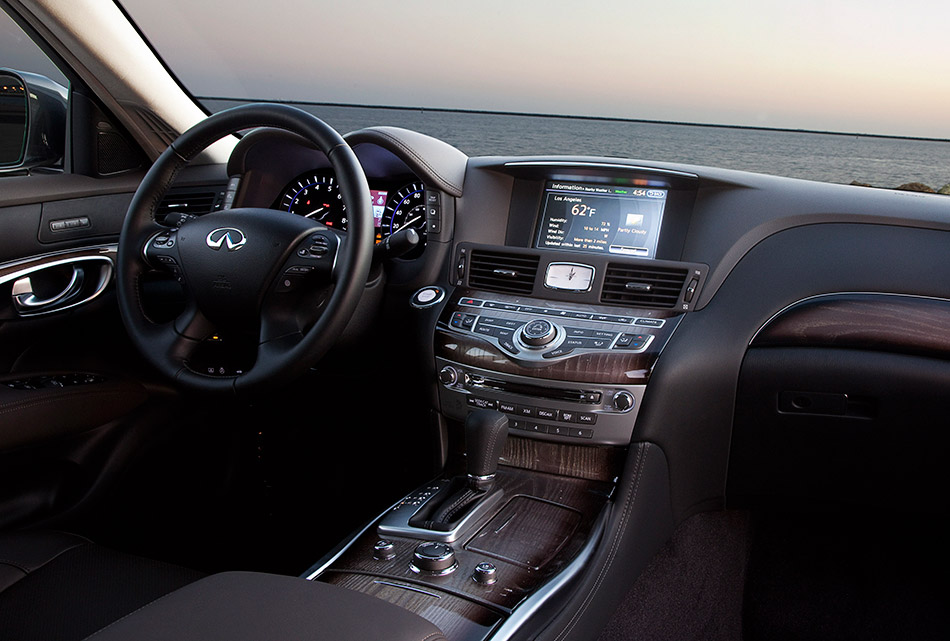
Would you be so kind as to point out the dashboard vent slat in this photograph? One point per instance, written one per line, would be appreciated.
(503, 272)
(190, 203)
(642, 286)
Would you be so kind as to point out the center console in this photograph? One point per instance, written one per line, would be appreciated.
(553, 334)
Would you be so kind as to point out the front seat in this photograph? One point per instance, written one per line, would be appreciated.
(60, 587)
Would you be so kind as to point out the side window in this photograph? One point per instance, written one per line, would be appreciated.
(33, 104)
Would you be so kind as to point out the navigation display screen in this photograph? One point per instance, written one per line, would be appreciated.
(601, 219)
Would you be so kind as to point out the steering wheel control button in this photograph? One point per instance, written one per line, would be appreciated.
(485, 573)
(433, 558)
(538, 333)
(384, 550)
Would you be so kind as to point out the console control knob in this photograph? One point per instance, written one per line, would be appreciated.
(448, 375)
(485, 573)
(434, 558)
(384, 550)
(623, 401)
(538, 333)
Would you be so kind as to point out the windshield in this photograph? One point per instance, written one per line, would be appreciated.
(821, 90)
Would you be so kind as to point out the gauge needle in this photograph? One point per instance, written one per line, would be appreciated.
(409, 222)
(314, 212)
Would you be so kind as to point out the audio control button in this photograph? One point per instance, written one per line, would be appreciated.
(587, 418)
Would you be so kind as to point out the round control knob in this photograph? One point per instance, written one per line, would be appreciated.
(432, 557)
(448, 375)
(485, 573)
(623, 401)
(383, 550)
(538, 333)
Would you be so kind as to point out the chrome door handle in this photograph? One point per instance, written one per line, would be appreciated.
(26, 301)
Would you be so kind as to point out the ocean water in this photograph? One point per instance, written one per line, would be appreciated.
(839, 158)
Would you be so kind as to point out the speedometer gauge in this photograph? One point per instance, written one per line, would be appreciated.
(315, 195)
(406, 208)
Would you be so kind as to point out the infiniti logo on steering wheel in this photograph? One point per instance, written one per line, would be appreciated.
(233, 238)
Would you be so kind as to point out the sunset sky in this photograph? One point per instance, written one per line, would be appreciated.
(864, 67)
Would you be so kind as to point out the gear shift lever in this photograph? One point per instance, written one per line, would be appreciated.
(485, 435)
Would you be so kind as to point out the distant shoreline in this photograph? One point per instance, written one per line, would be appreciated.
(486, 112)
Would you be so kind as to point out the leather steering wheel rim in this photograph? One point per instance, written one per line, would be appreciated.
(165, 345)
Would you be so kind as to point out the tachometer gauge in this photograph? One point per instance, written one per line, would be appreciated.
(406, 208)
(316, 195)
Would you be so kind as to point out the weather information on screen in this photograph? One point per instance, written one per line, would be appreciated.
(601, 219)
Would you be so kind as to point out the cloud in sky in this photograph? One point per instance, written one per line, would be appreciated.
(859, 67)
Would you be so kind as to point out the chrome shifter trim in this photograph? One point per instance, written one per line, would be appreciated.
(396, 521)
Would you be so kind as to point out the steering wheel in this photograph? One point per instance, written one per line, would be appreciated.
(289, 280)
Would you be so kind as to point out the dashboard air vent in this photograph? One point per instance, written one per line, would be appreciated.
(642, 286)
(191, 203)
(502, 272)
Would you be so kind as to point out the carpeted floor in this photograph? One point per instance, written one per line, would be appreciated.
(794, 576)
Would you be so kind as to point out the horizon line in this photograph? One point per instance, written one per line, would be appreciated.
(526, 114)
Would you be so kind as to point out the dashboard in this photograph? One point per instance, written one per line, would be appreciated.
(602, 301)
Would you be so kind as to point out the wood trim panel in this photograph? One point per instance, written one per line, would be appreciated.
(882, 322)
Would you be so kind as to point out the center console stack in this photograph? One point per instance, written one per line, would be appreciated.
(543, 349)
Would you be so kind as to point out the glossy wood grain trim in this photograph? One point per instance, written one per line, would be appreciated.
(458, 618)
(883, 322)
(596, 463)
(571, 509)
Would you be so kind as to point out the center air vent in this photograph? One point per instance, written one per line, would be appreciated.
(642, 286)
(502, 272)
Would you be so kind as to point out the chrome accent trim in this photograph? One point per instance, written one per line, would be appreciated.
(396, 523)
(590, 285)
(407, 587)
(106, 270)
(323, 568)
(232, 245)
(447, 571)
(528, 608)
(834, 295)
(108, 249)
(25, 300)
(598, 165)
(435, 301)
